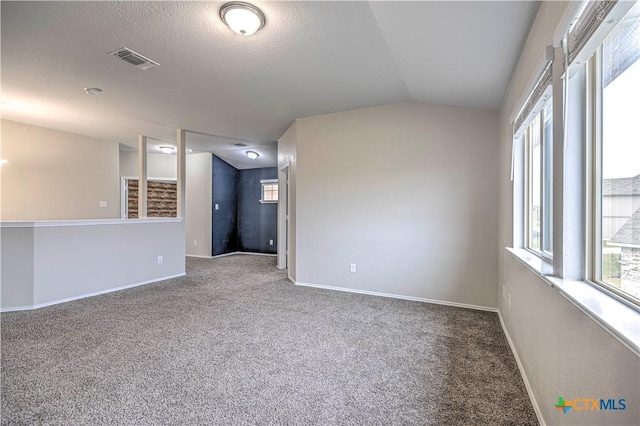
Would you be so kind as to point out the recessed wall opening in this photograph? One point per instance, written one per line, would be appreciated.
(162, 198)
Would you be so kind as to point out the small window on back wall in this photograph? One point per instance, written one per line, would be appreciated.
(269, 191)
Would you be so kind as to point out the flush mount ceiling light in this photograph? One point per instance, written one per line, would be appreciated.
(92, 90)
(243, 18)
(252, 155)
(166, 149)
(3, 162)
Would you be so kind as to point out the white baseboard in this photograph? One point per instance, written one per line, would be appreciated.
(199, 256)
(17, 308)
(527, 385)
(256, 254)
(83, 296)
(233, 253)
(399, 296)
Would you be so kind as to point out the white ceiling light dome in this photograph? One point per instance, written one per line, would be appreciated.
(166, 149)
(243, 18)
(252, 155)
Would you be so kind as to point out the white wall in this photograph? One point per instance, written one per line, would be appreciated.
(408, 193)
(57, 175)
(563, 352)
(44, 263)
(16, 267)
(287, 154)
(198, 199)
(198, 192)
(159, 166)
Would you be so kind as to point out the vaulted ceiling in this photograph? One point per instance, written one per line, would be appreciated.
(310, 58)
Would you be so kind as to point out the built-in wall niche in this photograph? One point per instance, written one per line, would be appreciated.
(162, 199)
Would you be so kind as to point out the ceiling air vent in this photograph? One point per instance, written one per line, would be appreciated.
(134, 58)
(239, 144)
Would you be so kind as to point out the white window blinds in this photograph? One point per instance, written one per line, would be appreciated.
(535, 101)
(592, 26)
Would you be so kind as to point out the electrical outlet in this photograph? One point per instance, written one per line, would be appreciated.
(270, 242)
(160, 260)
(215, 206)
(509, 299)
(195, 243)
(353, 267)
(103, 204)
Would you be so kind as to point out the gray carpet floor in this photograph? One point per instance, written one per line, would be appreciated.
(234, 343)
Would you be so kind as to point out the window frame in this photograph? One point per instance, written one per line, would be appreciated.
(527, 190)
(526, 164)
(593, 182)
(571, 269)
(263, 184)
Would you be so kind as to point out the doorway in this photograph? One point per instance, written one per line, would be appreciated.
(283, 217)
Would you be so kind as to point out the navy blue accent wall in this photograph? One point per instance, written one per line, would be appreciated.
(225, 219)
(257, 223)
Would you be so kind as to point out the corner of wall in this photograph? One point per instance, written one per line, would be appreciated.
(287, 155)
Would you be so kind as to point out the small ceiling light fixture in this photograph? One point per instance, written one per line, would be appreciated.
(3, 162)
(166, 149)
(92, 90)
(243, 18)
(252, 155)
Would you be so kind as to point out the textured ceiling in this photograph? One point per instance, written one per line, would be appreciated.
(310, 58)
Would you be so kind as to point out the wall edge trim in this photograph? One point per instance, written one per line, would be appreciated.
(234, 253)
(86, 295)
(86, 222)
(223, 255)
(527, 385)
(398, 296)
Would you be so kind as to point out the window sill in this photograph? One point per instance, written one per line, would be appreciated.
(619, 319)
(267, 202)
